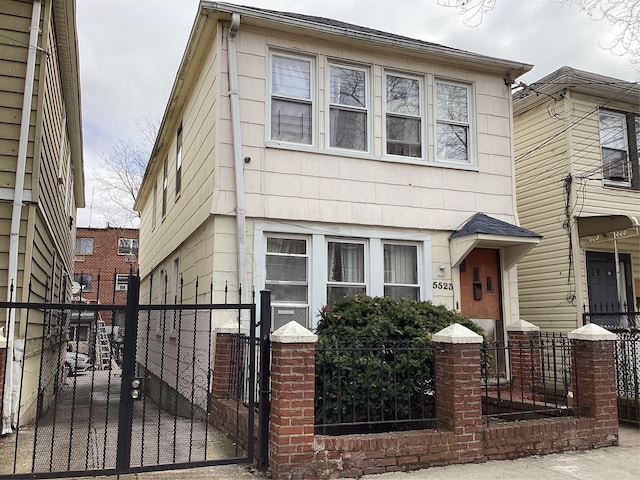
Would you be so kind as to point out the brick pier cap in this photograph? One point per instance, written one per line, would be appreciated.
(456, 333)
(522, 326)
(293, 332)
(592, 333)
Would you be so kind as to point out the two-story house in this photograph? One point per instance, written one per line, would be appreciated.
(41, 185)
(316, 158)
(578, 182)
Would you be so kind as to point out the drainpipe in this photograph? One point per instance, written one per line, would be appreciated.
(237, 156)
(10, 402)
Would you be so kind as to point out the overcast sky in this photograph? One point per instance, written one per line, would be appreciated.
(130, 51)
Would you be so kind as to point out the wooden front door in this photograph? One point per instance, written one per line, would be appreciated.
(481, 294)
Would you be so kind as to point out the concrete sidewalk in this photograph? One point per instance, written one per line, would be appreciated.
(618, 463)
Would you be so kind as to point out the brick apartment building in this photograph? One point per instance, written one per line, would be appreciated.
(103, 259)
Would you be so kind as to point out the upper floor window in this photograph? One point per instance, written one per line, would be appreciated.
(179, 160)
(453, 122)
(127, 246)
(84, 246)
(83, 280)
(348, 108)
(291, 99)
(154, 206)
(619, 138)
(403, 116)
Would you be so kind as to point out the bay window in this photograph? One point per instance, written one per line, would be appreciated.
(403, 116)
(291, 99)
(453, 122)
(348, 115)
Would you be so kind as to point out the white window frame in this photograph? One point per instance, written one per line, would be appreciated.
(334, 105)
(179, 140)
(470, 125)
(366, 261)
(275, 304)
(132, 246)
(122, 282)
(318, 235)
(310, 101)
(626, 167)
(418, 275)
(421, 117)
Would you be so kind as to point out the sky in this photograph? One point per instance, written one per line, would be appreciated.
(130, 51)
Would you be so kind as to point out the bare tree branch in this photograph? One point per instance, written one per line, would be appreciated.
(624, 15)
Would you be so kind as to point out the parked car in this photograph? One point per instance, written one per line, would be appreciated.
(76, 362)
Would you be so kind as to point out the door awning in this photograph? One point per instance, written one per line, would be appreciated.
(608, 227)
(487, 232)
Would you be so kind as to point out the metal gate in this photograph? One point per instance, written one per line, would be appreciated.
(143, 400)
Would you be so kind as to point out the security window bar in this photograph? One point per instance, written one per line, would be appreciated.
(401, 271)
(453, 125)
(287, 276)
(345, 270)
(127, 246)
(348, 109)
(403, 116)
(291, 99)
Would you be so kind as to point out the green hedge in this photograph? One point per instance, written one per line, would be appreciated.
(374, 359)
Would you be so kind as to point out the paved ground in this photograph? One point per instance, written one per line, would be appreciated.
(94, 448)
(618, 463)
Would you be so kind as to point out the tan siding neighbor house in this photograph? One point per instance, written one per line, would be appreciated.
(41, 185)
(578, 184)
(317, 159)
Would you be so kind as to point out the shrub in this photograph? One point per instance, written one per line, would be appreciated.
(374, 361)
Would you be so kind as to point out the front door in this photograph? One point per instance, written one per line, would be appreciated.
(481, 293)
(603, 282)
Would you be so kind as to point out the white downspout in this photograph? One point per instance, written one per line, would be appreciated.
(11, 401)
(237, 156)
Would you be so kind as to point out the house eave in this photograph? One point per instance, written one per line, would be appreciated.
(514, 248)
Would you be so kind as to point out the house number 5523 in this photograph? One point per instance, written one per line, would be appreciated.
(442, 286)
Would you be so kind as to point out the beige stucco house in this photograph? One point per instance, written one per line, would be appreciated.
(578, 184)
(41, 185)
(316, 158)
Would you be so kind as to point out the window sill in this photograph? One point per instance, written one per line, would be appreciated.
(368, 156)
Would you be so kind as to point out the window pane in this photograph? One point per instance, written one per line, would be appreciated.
(400, 264)
(452, 103)
(402, 292)
(348, 87)
(83, 280)
(346, 262)
(348, 129)
(452, 142)
(84, 246)
(285, 268)
(287, 245)
(337, 292)
(403, 95)
(287, 293)
(283, 315)
(291, 77)
(613, 131)
(290, 121)
(403, 136)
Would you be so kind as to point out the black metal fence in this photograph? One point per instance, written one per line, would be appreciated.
(374, 387)
(612, 316)
(535, 382)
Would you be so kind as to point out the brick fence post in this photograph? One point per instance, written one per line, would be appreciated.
(524, 343)
(291, 423)
(459, 390)
(225, 343)
(595, 380)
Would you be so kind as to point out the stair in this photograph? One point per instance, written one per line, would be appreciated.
(104, 346)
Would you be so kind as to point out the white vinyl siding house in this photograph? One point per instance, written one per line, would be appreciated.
(578, 179)
(356, 160)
